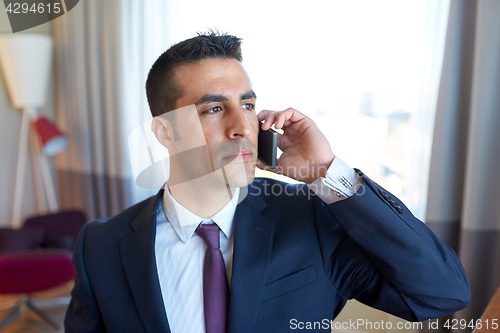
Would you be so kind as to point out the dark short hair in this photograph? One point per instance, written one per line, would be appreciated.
(162, 89)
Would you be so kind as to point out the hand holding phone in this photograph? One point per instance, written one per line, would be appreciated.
(307, 154)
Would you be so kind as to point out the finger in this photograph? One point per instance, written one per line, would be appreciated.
(284, 119)
(292, 116)
(277, 118)
(281, 119)
(262, 114)
(287, 117)
(269, 120)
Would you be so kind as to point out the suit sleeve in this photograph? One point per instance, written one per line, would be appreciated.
(83, 314)
(389, 259)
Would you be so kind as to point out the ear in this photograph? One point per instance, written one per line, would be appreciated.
(163, 131)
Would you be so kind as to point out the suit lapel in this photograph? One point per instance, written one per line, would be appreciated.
(138, 257)
(253, 240)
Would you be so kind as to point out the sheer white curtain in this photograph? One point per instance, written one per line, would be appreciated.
(434, 20)
(145, 37)
(104, 50)
(88, 99)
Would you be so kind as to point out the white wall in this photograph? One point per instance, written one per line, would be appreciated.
(10, 125)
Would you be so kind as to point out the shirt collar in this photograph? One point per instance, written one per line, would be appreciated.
(184, 222)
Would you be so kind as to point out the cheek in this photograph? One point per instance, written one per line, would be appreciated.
(208, 133)
(253, 121)
(255, 124)
(253, 139)
(213, 132)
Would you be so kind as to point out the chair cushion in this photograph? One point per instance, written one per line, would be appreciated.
(20, 239)
(25, 272)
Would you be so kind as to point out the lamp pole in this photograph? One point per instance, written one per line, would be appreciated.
(39, 158)
(21, 162)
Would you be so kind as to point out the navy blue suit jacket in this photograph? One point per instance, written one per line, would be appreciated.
(294, 258)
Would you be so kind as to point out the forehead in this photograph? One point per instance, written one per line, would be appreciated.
(211, 76)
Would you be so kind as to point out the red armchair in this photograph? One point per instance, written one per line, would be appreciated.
(37, 258)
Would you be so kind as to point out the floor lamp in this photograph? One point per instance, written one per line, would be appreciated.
(25, 61)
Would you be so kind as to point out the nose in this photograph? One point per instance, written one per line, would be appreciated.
(237, 123)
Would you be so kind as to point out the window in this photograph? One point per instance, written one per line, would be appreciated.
(366, 71)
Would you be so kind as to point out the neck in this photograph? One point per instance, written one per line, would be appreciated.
(203, 196)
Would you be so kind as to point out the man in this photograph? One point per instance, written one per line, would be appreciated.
(287, 256)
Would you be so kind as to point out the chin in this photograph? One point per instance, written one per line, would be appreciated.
(239, 174)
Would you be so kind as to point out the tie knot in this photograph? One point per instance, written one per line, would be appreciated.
(210, 235)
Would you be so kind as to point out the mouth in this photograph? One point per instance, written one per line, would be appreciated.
(243, 155)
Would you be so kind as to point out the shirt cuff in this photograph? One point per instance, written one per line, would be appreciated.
(341, 182)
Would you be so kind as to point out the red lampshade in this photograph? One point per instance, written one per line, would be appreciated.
(53, 140)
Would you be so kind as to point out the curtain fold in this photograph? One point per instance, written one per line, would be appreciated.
(463, 205)
(100, 55)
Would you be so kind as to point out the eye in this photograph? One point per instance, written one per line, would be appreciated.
(213, 110)
(248, 106)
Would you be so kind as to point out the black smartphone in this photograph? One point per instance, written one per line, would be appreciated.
(268, 146)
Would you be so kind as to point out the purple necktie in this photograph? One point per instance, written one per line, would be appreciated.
(215, 286)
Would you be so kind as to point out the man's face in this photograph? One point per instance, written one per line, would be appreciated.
(225, 102)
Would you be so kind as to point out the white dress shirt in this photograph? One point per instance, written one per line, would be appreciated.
(180, 252)
(179, 259)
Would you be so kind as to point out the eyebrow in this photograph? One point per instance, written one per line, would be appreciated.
(210, 98)
(248, 95)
